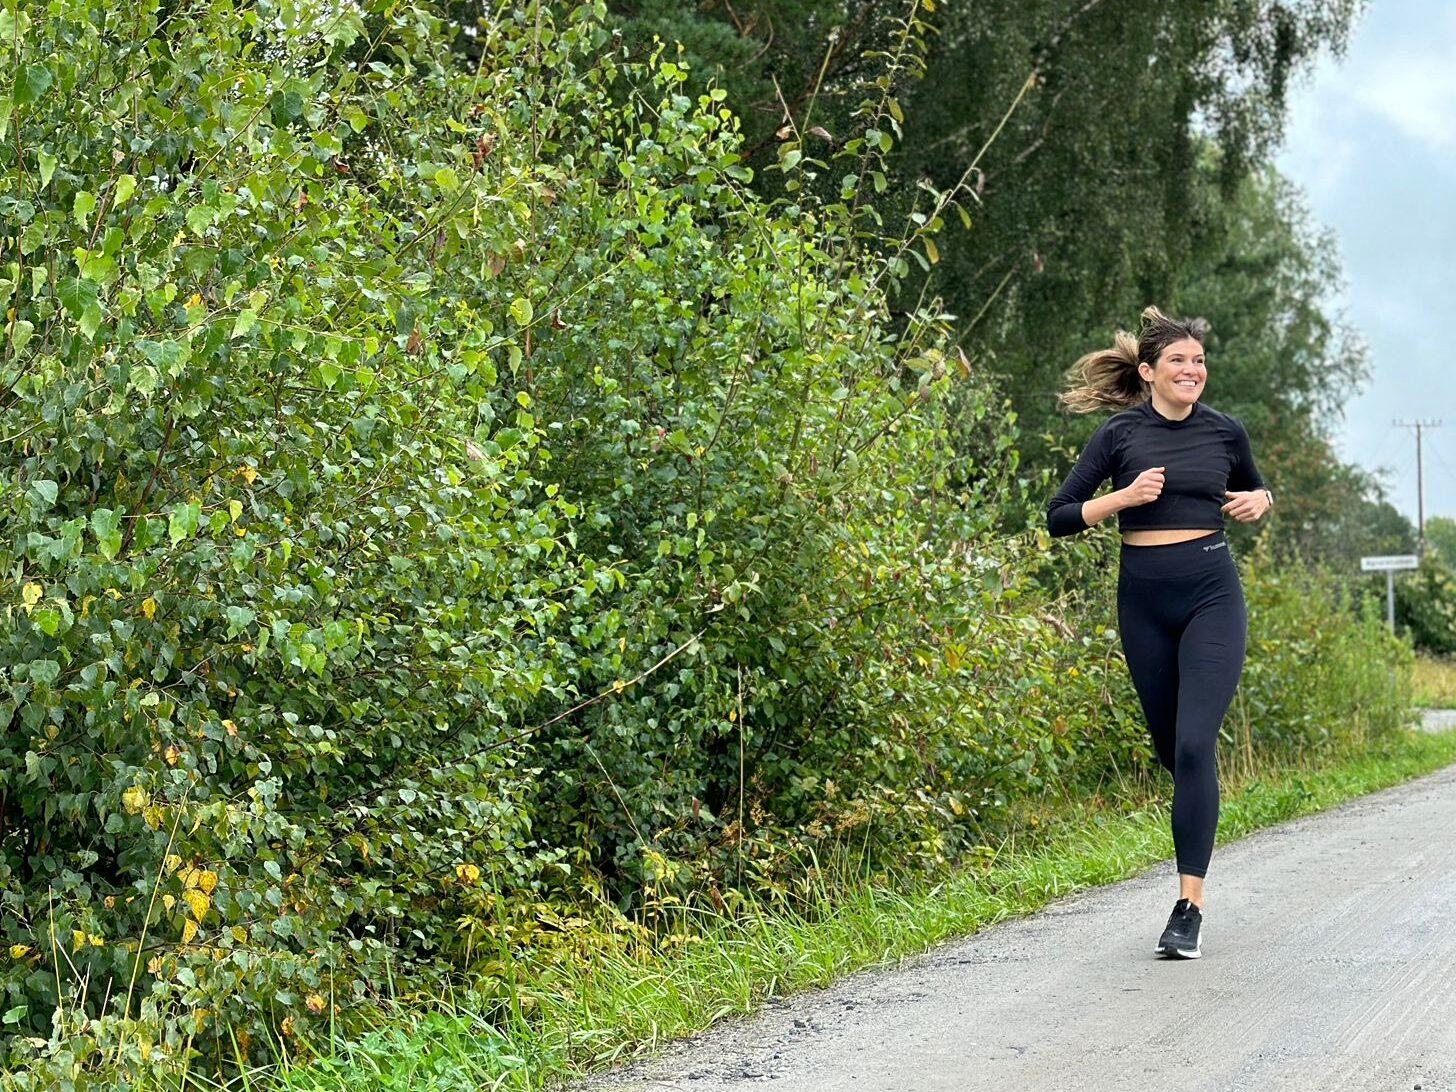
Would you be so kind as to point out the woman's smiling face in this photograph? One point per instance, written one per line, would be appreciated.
(1180, 373)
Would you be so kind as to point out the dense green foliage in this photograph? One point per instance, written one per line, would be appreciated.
(283, 569)
(1322, 671)
(1425, 605)
(1425, 600)
(1088, 206)
(429, 496)
(1441, 538)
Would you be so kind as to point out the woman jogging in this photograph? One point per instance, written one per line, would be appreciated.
(1177, 468)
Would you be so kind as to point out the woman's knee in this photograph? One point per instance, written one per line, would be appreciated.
(1194, 758)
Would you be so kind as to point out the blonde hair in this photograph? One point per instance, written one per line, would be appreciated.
(1109, 379)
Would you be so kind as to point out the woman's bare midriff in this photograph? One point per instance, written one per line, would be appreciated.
(1161, 537)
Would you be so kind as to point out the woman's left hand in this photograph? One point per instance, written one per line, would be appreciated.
(1246, 506)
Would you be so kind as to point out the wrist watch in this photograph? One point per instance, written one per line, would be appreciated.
(1270, 496)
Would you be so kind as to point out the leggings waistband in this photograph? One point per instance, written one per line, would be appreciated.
(1175, 559)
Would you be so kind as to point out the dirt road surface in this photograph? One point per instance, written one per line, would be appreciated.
(1329, 963)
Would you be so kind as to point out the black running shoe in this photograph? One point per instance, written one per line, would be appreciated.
(1180, 938)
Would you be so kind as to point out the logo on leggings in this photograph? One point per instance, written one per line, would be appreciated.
(1215, 546)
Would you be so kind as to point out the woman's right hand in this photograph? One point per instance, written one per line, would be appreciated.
(1145, 488)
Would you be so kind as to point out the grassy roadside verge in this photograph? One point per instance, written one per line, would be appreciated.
(1433, 682)
(616, 1008)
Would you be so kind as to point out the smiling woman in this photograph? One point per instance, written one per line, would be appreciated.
(1178, 467)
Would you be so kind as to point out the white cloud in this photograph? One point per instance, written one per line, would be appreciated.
(1417, 95)
(1414, 87)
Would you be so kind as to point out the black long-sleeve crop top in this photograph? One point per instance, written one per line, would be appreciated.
(1204, 454)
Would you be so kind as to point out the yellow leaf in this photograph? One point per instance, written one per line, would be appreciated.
(172, 862)
(207, 880)
(315, 1003)
(232, 729)
(197, 902)
(172, 754)
(930, 250)
(468, 873)
(169, 901)
(240, 934)
(189, 930)
(19, 951)
(153, 816)
(135, 799)
(953, 659)
(30, 596)
(149, 608)
(78, 940)
(247, 473)
(195, 300)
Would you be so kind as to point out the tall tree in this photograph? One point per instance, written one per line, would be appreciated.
(1081, 195)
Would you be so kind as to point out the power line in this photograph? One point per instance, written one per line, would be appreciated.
(1383, 446)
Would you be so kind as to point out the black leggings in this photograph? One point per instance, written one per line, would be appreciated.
(1180, 609)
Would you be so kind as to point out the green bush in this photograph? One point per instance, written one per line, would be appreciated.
(1425, 605)
(285, 573)
(1322, 670)
(433, 488)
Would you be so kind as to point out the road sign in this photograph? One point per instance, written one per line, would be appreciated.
(1389, 564)
(1386, 562)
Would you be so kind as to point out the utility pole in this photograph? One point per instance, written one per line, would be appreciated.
(1420, 483)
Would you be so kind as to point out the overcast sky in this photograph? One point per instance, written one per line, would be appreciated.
(1372, 141)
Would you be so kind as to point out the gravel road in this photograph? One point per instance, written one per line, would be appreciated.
(1329, 954)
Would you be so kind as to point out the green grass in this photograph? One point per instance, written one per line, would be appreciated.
(1433, 683)
(618, 1007)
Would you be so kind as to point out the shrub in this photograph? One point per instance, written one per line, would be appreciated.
(395, 445)
(1425, 605)
(1322, 672)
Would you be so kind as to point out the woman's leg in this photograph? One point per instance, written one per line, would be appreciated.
(1210, 661)
(1150, 646)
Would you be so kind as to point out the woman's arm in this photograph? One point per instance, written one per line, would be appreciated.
(1243, 473)
(1072, 508)
(1099, 508)
(1244, 477)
